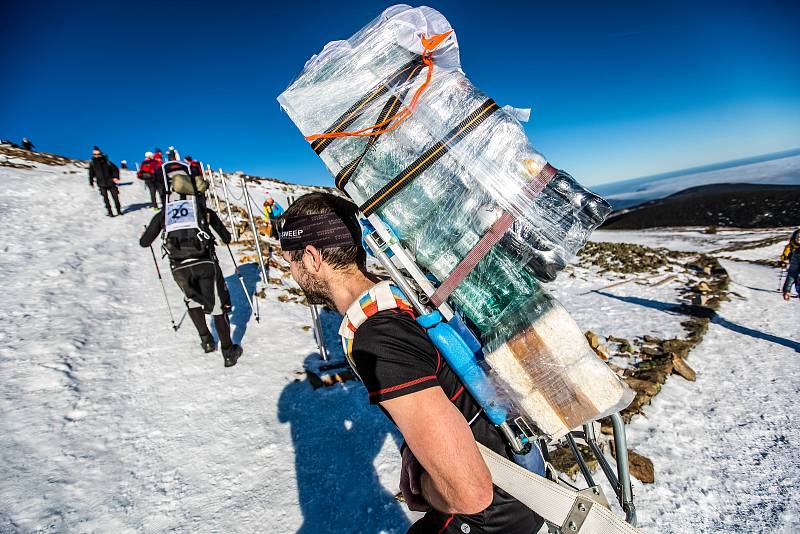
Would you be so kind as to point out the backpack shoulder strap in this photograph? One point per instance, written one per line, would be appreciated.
(380, 297)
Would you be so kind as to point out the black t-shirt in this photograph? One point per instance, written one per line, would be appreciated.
(394, 356)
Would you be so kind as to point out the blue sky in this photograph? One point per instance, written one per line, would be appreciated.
(618, 89)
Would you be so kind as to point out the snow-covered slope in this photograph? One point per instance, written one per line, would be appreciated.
(111, 422)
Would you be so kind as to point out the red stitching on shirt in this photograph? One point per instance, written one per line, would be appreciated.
(459, 392)
(402, 386)
(446, 523)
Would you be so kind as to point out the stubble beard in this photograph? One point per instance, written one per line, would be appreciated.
(316, 290)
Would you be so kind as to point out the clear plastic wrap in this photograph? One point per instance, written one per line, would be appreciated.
(536, 351)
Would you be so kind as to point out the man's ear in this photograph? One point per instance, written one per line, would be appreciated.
(313, 253)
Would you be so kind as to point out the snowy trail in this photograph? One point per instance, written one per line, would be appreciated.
(726, 447)
(113, 423)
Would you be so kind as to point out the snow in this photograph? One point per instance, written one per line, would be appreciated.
(111, 422)
(725, 447)
(690, 239)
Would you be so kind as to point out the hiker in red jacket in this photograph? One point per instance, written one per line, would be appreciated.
(147, 172)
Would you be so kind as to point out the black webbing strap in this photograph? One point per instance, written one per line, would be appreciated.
(356, 110)
(429, 157)
(388, 112)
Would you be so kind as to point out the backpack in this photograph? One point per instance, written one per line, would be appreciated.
(186, 232)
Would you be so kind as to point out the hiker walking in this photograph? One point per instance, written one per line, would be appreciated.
(790, 259)
(443, 472)
(272, 211)
(186, 225)
(106, 174)
(147, 173)
(27, 145)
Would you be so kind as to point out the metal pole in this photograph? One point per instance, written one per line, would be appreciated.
(256, 238)
(241, 281)
(587, 475)
(164, 289)
(623, 469)
(210, 177)
(318, 337)
(228, 202)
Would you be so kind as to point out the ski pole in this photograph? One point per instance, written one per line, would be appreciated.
(241, 281)
(164, 289)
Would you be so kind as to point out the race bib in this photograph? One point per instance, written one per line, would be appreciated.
(180, 215)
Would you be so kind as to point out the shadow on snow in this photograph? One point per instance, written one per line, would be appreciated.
(241, 313)
(681, 309)
(336, 439)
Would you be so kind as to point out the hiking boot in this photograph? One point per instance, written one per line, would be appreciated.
(231, 355)
(109, 214)
(208, 343)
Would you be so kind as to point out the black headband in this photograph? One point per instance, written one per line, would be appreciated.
(323, 230)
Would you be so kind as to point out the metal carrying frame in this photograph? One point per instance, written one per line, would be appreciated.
(418, 289)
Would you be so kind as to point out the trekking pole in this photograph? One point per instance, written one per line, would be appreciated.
(780, 280)
(318, 337)
(256, 239)
(210, 177)
(253, 309)
(228, 202)
(164, 289)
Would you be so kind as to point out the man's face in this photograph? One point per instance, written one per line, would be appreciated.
(96, 154)
(317, 289)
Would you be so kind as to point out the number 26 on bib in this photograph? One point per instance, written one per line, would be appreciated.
(180, 214)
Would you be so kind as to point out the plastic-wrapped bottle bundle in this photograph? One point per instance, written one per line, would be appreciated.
(440, 214)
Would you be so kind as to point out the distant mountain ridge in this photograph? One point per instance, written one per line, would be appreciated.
(725, 205)
(780, 168)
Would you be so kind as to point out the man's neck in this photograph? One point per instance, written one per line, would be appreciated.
(350, 286)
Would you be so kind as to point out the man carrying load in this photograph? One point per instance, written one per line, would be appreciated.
(443, 472)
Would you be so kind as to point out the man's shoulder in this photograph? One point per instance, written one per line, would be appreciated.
(392, 331)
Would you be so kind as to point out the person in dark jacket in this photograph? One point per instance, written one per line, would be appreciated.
(106, 174)
(147, 172)
(27, 145)
(200, 278)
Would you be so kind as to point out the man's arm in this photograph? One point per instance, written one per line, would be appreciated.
(456, 479)
(91, 174)
(219, 228)
(153, 229)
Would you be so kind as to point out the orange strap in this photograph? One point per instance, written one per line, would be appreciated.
(429, 44)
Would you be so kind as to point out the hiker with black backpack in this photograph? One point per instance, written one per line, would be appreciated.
(147, 173)
(790, 260)
(186, 225)
(106, 174)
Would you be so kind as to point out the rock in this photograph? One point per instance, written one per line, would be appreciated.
(680, 367)
(602, 352)
(702, 287)
(593, 339)
(700, 300)
(651, 339)
(681, 347)
(648, 388)
(641, 467)
(652, 352)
